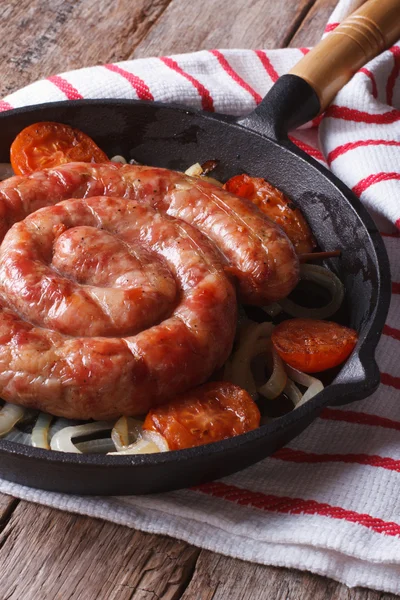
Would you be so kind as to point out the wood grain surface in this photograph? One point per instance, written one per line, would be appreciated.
(233, 24)
(311, 28)
(49, 555)
(39, 38)
(220, 578)
(7, 505)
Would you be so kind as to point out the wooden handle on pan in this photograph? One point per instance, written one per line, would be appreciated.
(358, 39)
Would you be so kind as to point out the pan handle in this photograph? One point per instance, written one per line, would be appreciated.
(314, 81)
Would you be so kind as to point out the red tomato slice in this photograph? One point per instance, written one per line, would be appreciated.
(277, 207)
(310, 345)
(209, 413)
(48, 144)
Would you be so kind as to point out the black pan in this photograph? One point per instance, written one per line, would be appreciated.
(175, 137)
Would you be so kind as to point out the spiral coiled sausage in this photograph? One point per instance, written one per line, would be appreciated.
(114, 301)
(257, 252)
(52, 289)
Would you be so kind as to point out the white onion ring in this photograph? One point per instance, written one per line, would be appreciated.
(157, 439)
(62, 440)
(253, 340)
(119, 159)
(292, 391)
(40, 432)
(61, 423)
(197, 170)
(149, 443)
(277, 382)
(325, 278)
(313, 385)
(194, 170)
(125, 431)
(10, 414)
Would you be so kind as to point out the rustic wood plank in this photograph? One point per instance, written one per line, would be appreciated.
(216, 24)
(219, 578)
(313, 25)
(7, 505)
(40, 38)
(49, 554)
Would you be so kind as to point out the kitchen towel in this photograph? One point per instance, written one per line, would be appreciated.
(329, 502)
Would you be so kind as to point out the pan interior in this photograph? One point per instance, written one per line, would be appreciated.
(176, 138)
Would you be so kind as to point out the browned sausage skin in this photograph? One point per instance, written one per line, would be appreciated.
(115, 301)
(257, 252)
(42, 364)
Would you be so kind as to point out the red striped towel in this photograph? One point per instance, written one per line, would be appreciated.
(330, 501)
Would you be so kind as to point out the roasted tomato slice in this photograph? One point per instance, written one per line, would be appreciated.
(310, 345)
(209, 413)
(277, 207)
(48, 144)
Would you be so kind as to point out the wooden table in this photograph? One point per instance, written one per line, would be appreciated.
(48, 554)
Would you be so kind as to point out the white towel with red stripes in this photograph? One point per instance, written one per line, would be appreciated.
(330, 501)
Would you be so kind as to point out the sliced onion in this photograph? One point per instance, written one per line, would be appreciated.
(99, 446)
(325, 278)
(139, 447)
(119, 159)
(195, 170)
(292, 391)
(10, 414)
(62, 440)
(249, 347)
(313, 385)
(157, 439)
(60, 423)
(125, 431)
(40, 432)
(252, 331)
(149, 443)
(277, 382)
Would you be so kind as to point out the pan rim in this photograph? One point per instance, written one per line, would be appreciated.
(365, 346)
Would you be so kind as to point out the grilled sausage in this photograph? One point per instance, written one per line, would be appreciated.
(256, 251)
(107, 307)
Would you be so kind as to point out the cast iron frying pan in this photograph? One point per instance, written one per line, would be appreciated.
(175, 137)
